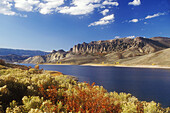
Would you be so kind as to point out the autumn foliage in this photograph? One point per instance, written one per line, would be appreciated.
(83, 100)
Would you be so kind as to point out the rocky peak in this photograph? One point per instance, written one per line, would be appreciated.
(54, 51)
(61, 51)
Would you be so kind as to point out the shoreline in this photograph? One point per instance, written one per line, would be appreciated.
(131, 66)
(118, 65)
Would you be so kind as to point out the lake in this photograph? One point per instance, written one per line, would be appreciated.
(144, 83)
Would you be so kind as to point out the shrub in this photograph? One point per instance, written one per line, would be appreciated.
(81, 99)
(37, 67)
(2, 62)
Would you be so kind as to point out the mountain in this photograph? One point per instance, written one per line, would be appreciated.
(144, 45)
(13, 58)
(52, 57)
(18, 55)
(108, 51)
(5, 51)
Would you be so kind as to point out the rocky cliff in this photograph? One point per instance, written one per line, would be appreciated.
(54, 56)
(144, 45)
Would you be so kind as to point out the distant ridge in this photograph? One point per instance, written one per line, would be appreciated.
(21, 52)
(13, 58)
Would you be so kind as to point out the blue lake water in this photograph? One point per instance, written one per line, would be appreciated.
(145, 84)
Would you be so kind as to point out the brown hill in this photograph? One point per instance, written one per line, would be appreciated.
(158, 58)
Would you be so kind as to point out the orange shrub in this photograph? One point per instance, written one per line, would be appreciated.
(88, 99)
(37, 67)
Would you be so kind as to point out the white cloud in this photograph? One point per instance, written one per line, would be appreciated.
(5, 7)
(104, 12)
(131, 37)
(147, 17)
(78, 10)
(75, 7)
(26, 5)
(116, 37)
(135, 3)
(153, 16)
(103, 21)
(80, 7)
(48, 6)
(134, 20)
(110, 3)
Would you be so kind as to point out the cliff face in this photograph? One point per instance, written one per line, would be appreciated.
(144, 45)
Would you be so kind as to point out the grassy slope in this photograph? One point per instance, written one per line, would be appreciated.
(157, 58)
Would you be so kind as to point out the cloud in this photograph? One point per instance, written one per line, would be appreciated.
(48, 6)
(104, 12)
(110, 3)
(5, 7)
(147, 17)
(134, 20)
(83, 7)
(78, 10)
(80, 7)
(103, 21)
(74, 7)
(26, 5)
(116, 37)
(153, 16)
(131, 37)
(135, 3)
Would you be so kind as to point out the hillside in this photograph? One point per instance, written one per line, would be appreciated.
(52, 57)
(13, 58)
(158, 58)
(20, 52)
(18, 55)
(108, 51)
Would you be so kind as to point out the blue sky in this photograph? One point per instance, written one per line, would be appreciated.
(61, 24)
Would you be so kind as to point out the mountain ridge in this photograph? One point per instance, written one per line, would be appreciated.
(105, 51)
(21, 52)
(18, 55)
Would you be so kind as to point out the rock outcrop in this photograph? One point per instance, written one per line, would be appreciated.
(54, 56)
(144, 45)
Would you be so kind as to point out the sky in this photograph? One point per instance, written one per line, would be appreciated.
(60, 24)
